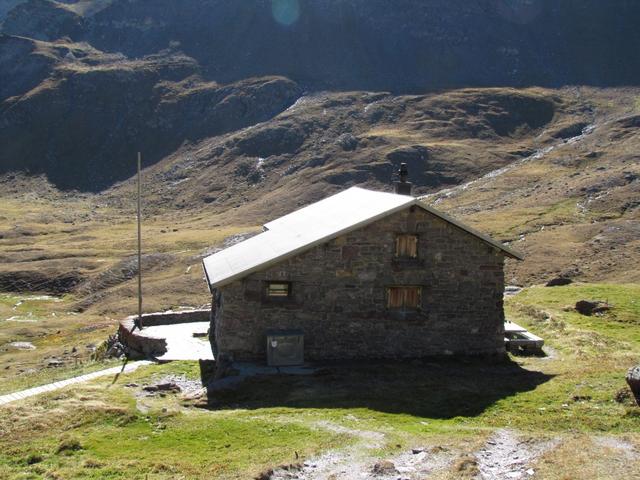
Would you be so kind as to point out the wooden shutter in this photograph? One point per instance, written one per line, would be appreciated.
(404, 297)
(412, 297)
(395, 297)
(407, 246)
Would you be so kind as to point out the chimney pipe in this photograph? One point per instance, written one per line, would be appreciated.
(403, 187)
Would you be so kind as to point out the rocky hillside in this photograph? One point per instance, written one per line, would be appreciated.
(81, 125)
(361, 44)
(245, 110)
(327, 141)
(100, 79)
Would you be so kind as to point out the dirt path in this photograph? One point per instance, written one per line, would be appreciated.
(357, 463)
(50, 387)
(347, 464)
(505, 456)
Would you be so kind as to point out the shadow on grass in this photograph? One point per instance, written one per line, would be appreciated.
(442, 389)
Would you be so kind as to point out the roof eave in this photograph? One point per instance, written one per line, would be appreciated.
(413, 201)
(309, 246)
(204, 269)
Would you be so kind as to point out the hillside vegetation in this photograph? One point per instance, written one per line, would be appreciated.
(240, 118)
(567, 413)
(552, 171)
(519, 117)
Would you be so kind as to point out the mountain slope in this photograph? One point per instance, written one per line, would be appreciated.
(244, 111)
(573, 206)
(362, 44)
(91, 76)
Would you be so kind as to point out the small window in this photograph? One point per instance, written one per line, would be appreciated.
(278, 289)
(404, 297)
(407, 246)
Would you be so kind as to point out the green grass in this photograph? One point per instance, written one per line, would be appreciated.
(621, 323)
(96, 431)
(52, 330)
(44, 376)
(101, 430)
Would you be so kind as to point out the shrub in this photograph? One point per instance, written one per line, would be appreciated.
(68, 446)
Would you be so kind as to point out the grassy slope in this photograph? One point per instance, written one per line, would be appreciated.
(82, 235)
(192, 206)
(568, 395)
(573, 209)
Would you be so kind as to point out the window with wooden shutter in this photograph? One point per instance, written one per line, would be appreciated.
(407, 246)
(404, 297)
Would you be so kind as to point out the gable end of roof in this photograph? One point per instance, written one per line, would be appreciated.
(509, 252)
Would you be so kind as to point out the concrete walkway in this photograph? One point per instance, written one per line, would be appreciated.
(129, 367)
(181, 342)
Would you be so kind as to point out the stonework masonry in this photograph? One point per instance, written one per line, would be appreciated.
(339, 296)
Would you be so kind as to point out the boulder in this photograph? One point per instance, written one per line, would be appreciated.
(633, 379)
(591, 307)
(54, 362)
(347, 141)
(162, 387)
(558, 281)
(384, 467)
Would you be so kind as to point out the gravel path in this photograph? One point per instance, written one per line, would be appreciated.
(50, 387)
(357, 463)
(351, 463)
(505, 456)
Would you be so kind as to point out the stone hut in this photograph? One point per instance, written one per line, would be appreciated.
(361, 274)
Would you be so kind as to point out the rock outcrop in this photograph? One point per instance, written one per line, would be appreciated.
(633, 379)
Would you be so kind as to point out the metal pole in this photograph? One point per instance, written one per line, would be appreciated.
(139, 247)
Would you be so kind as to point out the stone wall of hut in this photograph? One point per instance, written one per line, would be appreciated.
(339, 296)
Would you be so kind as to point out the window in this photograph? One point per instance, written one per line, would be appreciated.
(407, 246)
(404, 297)
(278, 290)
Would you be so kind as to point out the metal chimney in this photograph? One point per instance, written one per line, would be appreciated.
(403, 187)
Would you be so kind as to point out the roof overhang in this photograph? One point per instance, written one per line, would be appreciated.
(292, 253)
(290, 235)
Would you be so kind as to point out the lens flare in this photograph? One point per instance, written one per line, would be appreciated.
(285, 12)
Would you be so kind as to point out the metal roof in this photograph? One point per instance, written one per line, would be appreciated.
(311, 226)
